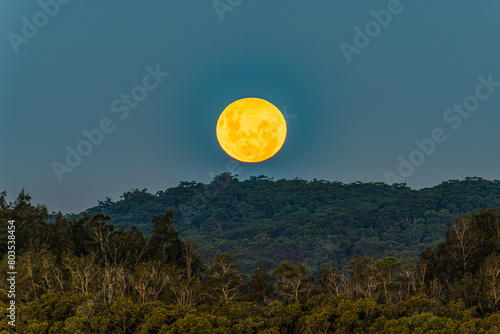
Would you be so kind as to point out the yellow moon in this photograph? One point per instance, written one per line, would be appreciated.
(251, 130)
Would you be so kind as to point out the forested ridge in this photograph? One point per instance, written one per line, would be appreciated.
(86, 275)
(260, 220)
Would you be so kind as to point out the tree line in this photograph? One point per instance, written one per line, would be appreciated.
(261, 220)
(87, 276)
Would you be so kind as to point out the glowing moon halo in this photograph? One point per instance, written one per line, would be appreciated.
(251, 130)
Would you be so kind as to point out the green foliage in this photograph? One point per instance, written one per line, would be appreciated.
(294, 282)
(120, 317)
(260, 286)
(225, 279)
(467, 263)
(197, 323)
(90, 276)
(262, 221)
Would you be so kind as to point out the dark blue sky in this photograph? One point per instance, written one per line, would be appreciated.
(358, 106)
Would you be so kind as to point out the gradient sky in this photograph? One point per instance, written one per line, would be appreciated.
(352, 120)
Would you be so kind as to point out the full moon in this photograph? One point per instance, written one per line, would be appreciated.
(251, 130)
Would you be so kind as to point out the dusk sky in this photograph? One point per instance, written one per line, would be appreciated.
(373, 91)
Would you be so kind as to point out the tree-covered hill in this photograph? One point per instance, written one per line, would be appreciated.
(86, 276)
(260, 220)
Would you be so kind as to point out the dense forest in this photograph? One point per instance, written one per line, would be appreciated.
(86, 275)
(261, 221)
